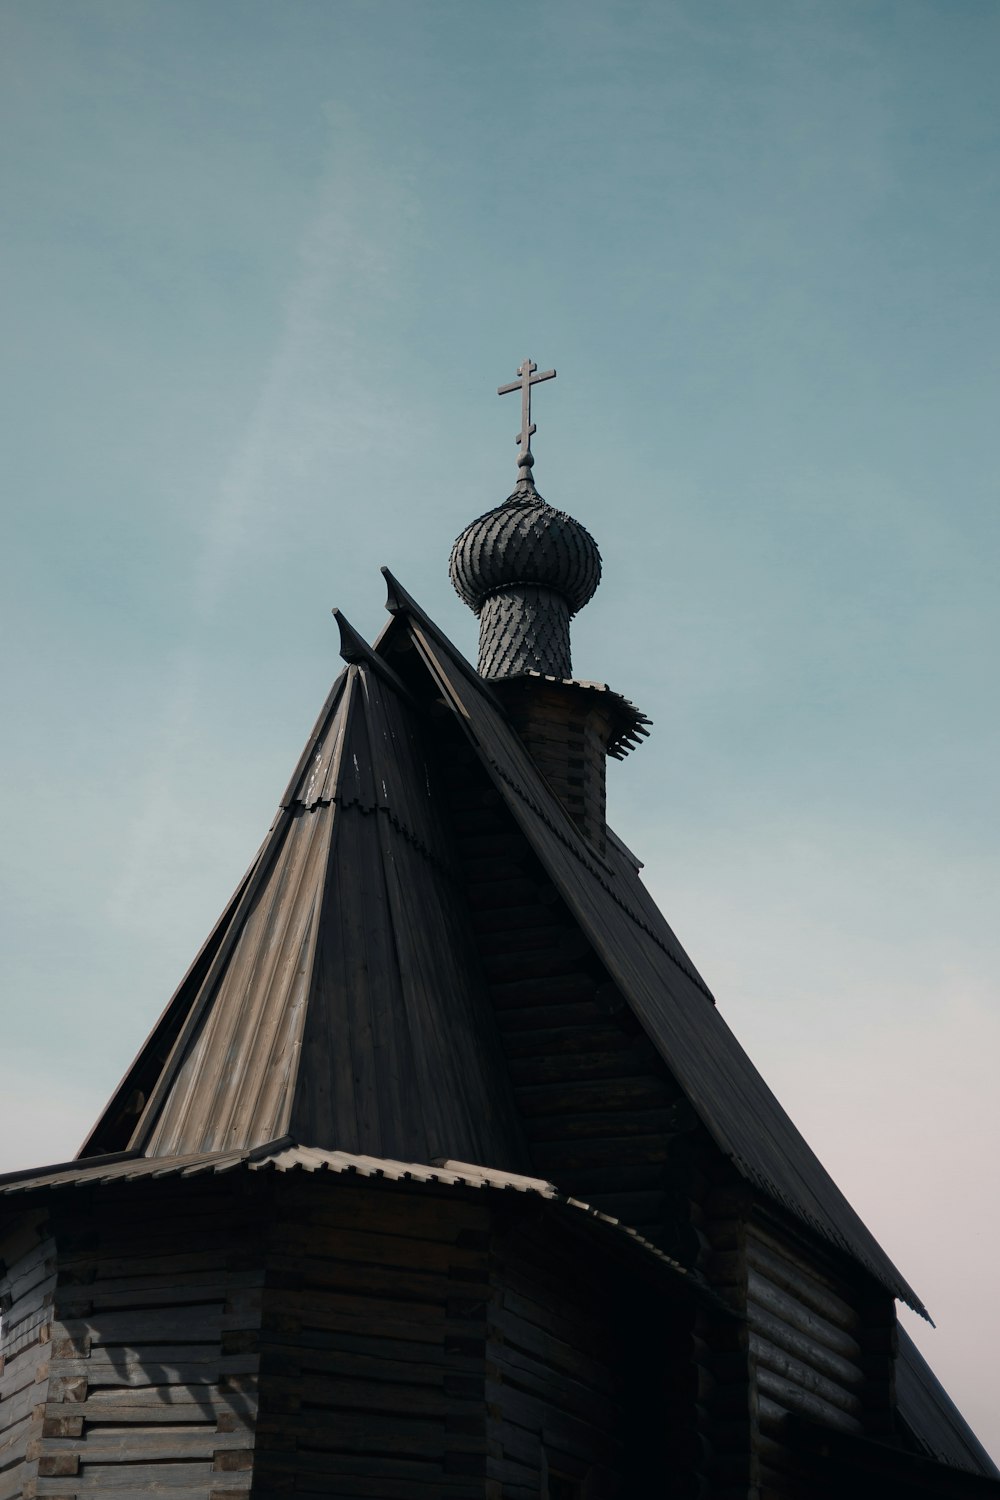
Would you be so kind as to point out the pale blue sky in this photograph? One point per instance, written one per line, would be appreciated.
(266, 264)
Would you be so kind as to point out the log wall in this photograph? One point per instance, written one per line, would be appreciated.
(150, 1383)
(556, 1383)
(373, 1343)
(262, 1334)
(820, 1346)
(27, 1282)
(567, 734)
(592, 1374)
(602, 1116)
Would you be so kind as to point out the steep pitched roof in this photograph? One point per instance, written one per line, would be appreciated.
(933, 1419)
(643, 956)
(340, 999)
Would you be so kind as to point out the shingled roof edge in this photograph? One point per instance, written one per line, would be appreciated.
(285, 1155)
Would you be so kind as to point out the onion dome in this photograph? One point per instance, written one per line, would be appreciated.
(525, 541)
(525, 569)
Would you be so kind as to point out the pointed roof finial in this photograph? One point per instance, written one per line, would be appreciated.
(526, 379)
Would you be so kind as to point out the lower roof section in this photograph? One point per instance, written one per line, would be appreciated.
(287, 1156)
(845, 1464)
(934, 1421)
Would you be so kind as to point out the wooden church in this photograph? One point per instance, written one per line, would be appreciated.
(441, 1176)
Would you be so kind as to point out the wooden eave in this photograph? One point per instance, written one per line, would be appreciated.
(285, 1156)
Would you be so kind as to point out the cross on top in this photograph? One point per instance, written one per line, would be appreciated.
(526, 379)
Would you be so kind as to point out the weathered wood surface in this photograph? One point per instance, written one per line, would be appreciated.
(636, 946)
(806, 1346)
(151, 1383)
(556, 1382)
(592, 1093)
(372, 1343)
(566, 731)
(340, 1000)
(588, 1377)
(27, 1282)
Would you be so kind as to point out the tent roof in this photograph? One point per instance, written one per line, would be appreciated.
(339, 998)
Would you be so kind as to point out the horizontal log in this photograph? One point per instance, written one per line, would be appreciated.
(803, 1347)
(409, 1322)
(19, 1371)
(504, 1361)
(508, 964)
(770, 1414)
(16, 1436)
(577, 1030)
(506, 918)
(145, 1265)
(187, 1324)
(543, 1384)
(26, 1334)
(374, 1249)
(619, 1123)
(525, 1341)
(393, 1283)
(369, 1363)
(779, 1303)
(780, 1271)
(563, 1429)
(183, 1481)
(553, 1158)
(28, 1294)
(610, 1087)
(367, 1432)
(588, 1060)
(144, 1445)
(793, 1397)
(571, 1018)
(768, 1356)
(156, 1291)
(155, 1365)
(173, 1404)
(569, 1320)
(374, 1396)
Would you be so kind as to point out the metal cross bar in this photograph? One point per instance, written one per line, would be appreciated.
(526, 379)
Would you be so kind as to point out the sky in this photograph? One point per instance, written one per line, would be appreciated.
(265, 265)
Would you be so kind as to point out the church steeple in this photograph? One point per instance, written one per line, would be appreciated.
(525, 568)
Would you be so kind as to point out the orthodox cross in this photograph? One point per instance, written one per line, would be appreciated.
(526, 379)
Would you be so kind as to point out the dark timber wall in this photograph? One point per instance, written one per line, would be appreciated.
(373, 1342)
(557, 1378)
(601, 1114)
(567, 733)
(261, 1334)
(820, 1348)
(590, 1386)
(145, 1373)
(27, 1282)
